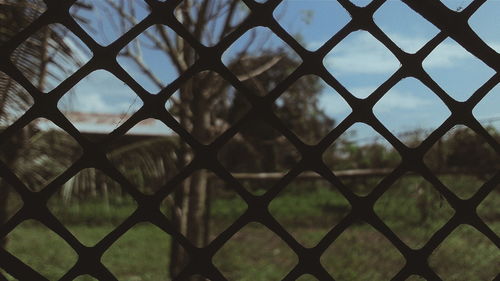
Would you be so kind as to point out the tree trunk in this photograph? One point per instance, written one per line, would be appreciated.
(189, 217)
(189, 210)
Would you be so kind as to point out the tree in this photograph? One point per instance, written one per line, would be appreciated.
(34, 58)
(206, 104)
(462, 150)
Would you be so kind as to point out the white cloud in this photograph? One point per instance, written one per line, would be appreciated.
(100, 92)
(95, 102)
(400, 100)
(446, 55)
(90, 102)
(361, 53)
(410, 44)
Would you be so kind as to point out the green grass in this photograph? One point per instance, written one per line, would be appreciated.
(256, 253)
(410, 207)
(140, 254)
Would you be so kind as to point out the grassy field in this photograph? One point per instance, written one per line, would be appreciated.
(411, 208)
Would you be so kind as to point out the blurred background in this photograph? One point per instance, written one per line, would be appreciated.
(313, 110)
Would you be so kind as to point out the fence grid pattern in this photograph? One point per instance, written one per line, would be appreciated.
(451, 24)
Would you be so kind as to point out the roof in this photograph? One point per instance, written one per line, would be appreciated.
(104, 123)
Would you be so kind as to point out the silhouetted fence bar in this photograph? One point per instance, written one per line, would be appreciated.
(352, 173)
(452, 24)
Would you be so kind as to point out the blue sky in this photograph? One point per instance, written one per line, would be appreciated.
(359, 62)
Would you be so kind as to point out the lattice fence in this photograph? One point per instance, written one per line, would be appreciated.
(451, 24)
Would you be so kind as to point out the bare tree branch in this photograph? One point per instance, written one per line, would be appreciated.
(229, 18)
(255, 72)
(176, 55)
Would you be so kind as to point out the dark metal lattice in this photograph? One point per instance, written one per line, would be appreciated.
(451, 24)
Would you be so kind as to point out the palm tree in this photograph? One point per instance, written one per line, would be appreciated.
(196, 106)
(42, 58)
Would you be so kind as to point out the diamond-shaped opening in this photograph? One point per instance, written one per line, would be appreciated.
(310, 108)
(39, 153)
(16, 101)
(361, 3)
(361, 147)
(99, 103)
(91, 205)
(140, 254)
(405, 27)
(147, 59)
(486, 25)
(463, 161)
(486, 112)
(220, 17)
(411, 111)
(361, 63)
(261, 60)
(413, 209)
(308, 208)
(259, 149)
(270, 259)
(10, 201)
(466, 254)
(17, 16)
(103, 20)
(6, 276)
(455, 5)
(41, 249)
(416, 278)
(463, 185)
(84, 278)
(489, 211)
(302, 20)
(457, 71)
(223, 205)
(49, 56)
(218, 105)
(198, 277)
(148, 155)
(362, 253)
(306, 277)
